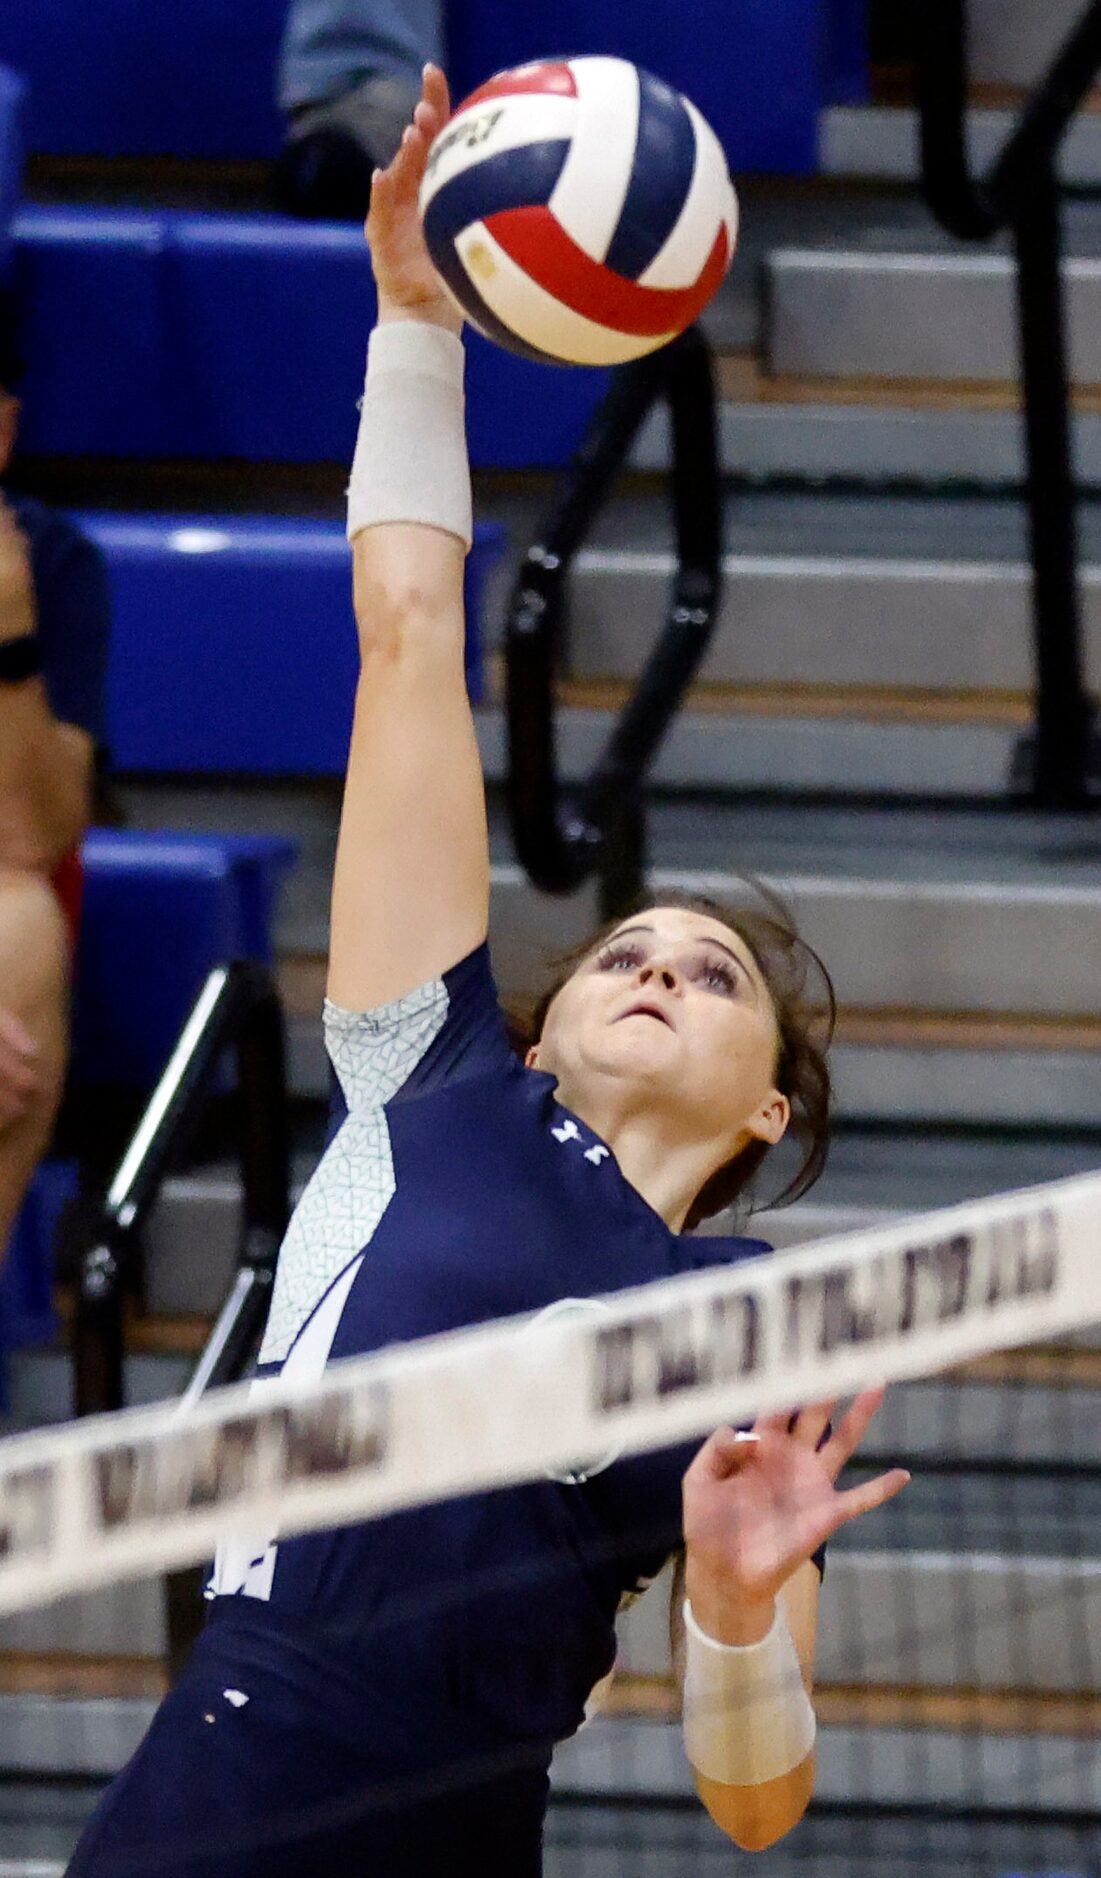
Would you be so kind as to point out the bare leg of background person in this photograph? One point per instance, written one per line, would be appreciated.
(34, 988)
(350, 75)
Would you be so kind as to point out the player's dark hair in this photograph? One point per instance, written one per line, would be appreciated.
(803, 1000)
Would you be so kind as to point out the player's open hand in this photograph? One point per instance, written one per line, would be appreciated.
(408, 284)
(757, 1508)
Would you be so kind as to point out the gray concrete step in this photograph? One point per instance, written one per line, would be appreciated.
(966, 910)
(893, 940)
(1012, 42)
(882, 1767)
(827, 589)
(618, 1756)
(861, 314)
(948, 1619)
(868, 443)
(795, 746)
(880, 143)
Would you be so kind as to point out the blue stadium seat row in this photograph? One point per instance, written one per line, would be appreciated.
(207, 336)
(233, 649)
(160, 912)
(196, 78)
(12, 95)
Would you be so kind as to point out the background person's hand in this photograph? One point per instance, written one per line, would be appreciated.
(756, 1510)
(19, 1082)
(408, 284)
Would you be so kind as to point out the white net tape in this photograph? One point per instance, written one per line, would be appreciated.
(139, 1492)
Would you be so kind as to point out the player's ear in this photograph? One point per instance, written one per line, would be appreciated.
(531, 1061)
(770, 1123)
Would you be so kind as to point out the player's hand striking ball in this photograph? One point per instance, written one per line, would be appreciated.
(757, 1507)
(408, 284)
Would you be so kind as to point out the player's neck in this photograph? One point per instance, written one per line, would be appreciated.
(664, 1165)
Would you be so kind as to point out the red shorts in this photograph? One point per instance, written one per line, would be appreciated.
(68, 884)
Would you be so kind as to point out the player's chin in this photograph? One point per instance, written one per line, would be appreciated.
(642, 1040)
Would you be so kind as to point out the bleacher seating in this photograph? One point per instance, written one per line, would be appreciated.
(160, 912)
(187, 78)
(196, 78)
(756, 69)
(207, 336)
(221, 628)
(12, 98)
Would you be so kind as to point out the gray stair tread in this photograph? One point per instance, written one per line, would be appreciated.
(872, 444)
(901, 313)
(931, 529)
(887, 222)
(967, 1513)
(912, 1172)
(881, 142)
(958, 848)
(605, 1841)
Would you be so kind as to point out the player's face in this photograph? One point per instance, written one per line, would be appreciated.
(675, 1004)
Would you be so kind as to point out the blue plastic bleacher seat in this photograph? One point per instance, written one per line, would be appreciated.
(846, 52)
(160, 912)
(207, 336)
(197, 78)
(97, 385)
(233, 647)
(188, 78)
(12, 98)
(754, 68)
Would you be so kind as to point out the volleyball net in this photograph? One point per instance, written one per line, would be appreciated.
(960, 1625)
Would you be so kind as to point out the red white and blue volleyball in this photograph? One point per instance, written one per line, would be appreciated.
(580, 211)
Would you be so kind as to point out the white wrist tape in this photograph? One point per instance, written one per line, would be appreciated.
(747, 1715)
(411, 463)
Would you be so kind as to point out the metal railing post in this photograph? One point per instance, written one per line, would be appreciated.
(1064, 711)
(602, 831)
(98, 1342)
(1021, 193)
(239, 1007)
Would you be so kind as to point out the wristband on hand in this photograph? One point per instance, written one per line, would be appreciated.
(747, 1715)
(411, 461)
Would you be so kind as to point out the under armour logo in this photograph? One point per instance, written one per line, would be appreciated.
(569, 1131)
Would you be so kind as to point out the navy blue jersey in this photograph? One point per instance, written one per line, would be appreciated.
(455, 1189)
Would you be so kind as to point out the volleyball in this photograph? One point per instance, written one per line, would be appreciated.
(580, 211)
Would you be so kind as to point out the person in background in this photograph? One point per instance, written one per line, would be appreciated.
(350, 79)
(54, 628)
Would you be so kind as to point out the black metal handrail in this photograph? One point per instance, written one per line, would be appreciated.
(238, 1008)
(1021, 193)
(603, 831)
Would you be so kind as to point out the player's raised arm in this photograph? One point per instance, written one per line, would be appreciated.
(411, 889)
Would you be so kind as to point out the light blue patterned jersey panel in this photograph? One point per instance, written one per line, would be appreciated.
(373, 1053)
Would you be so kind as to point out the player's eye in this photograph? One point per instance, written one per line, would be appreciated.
(717, 975)
(621, 958)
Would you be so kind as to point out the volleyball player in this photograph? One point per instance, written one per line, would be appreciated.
(386, 1699)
